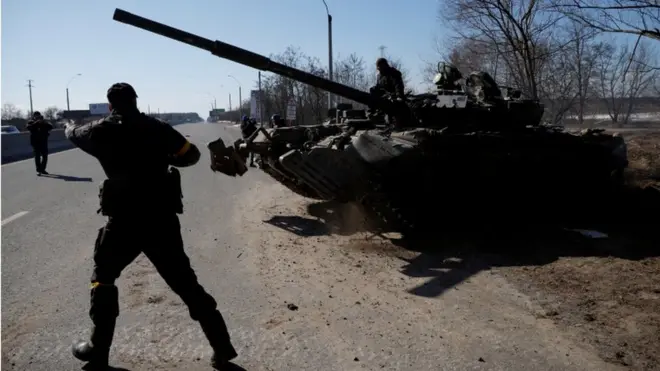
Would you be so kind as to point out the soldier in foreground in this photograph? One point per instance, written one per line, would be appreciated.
(39, 131)
(390, 79)
(141, 199)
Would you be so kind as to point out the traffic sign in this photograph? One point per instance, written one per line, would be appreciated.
(291, 110)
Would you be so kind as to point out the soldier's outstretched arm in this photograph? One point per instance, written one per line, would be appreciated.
(181, 152)
(81, 136)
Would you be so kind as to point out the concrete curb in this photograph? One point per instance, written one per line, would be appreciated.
(16, 147)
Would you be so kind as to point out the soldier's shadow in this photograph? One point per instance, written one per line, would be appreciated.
(88, 367)
(67, 178)
(230, 367)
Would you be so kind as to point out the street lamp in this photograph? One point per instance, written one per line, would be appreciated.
(68, 108)
(329, 51)
(240, 101)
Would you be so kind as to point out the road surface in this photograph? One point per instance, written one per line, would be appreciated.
(356, 308)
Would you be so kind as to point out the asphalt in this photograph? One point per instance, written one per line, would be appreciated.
(48, 228)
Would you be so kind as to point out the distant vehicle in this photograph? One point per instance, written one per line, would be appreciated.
(10, 129)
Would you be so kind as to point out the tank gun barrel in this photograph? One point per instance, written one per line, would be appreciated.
(244, 57)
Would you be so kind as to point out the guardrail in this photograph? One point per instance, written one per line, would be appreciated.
(16, 147)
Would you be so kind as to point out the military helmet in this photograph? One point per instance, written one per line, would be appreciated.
(36, 114)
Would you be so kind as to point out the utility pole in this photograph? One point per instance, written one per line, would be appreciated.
(30, 86)
(229, 102)
(260, 103)
(382, 50)
(240, 102)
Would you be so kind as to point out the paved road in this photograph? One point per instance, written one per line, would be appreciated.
(49, 225)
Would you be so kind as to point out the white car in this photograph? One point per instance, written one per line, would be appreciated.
(10, 129)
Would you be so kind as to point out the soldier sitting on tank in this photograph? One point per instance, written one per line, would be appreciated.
(448, 77)
(277, 122)
(389, 81)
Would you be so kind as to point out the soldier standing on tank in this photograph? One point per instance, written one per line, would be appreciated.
(141, 199)
(390, 79)
(39, 132)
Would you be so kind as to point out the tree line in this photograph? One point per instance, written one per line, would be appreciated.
(558, 51)
(561, 51)
(11, 112)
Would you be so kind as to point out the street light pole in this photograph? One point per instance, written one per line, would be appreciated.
(68, 107)
(240, 101)
(329, 51)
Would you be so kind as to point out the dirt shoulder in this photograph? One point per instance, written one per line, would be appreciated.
(611, 303)
(380, 306)
(604, 292)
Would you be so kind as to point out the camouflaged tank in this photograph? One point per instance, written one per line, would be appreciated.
(470, 151)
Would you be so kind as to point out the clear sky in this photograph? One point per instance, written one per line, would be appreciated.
(50, 41)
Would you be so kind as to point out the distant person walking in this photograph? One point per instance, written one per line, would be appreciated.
(39, 132)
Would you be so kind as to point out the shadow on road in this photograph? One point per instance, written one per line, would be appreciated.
(66, 178)
(451, 254)
(88, 367)
(298, 225)
(457, 256)
(331, 218)
(229, 367)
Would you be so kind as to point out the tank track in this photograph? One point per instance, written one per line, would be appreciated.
(384, 210)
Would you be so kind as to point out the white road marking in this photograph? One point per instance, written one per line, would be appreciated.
(14, 217)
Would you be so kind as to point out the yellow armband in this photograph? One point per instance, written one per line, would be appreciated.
(183, 149)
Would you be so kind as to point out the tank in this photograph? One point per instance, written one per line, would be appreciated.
(470, 151)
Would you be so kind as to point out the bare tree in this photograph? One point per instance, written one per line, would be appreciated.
(51, 113)
(10, 111)
(353, 71)
(469, 55)
(623, 79)
(567, 75)
(311, 103)
(636, 17)
(518, 31)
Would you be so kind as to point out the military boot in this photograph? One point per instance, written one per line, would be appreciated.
(96, 350)
(215, 329)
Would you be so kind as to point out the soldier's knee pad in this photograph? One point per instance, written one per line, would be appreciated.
(104, 300)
